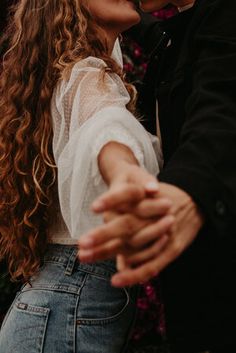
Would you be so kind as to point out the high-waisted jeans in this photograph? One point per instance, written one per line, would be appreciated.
(69, 307)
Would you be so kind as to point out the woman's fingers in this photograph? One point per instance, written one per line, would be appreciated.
(146, 254)
(113, 238)
(152, 232)
(117, 236)
(103, 252)
(152, 207)
(149, 208)
(118, 196)
(123, 226)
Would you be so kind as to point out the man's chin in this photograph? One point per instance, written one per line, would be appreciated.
(152, 5)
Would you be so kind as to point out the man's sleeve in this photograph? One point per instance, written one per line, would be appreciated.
(204, 164)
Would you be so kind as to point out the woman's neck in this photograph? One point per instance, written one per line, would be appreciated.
(110, 39)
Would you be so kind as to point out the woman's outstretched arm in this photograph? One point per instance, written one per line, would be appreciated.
(127, 181)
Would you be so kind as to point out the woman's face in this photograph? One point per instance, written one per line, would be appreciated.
(114, 15)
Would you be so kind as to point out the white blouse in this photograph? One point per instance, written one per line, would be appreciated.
(88, 111)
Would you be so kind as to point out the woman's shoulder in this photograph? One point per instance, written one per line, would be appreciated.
(90, 74)
(89, 63)
(92, 69)
(79, 71)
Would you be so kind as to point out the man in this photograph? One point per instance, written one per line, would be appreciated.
(191, 84)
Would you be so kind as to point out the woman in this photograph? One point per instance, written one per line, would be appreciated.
(66, 131)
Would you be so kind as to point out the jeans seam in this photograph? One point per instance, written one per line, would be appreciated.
(103, 274)
(75, 312)
(45, 329)
(53, 289)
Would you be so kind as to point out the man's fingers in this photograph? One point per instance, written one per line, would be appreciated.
(148, 253)
(152, 207)
(144, 272)
(120, 227)
(149, 269)
(152, 232)
(134, 276)
(118, 196)
(121, 263)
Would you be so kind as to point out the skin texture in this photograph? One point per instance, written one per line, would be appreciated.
(114, 16)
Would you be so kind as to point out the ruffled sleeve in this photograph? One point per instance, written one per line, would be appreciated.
(88, 111)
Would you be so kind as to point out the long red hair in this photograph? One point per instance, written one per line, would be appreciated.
(45, 38)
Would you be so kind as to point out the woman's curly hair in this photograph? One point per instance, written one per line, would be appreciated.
(45, 38)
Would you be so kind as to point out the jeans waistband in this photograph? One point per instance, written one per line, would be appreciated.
(67, 255)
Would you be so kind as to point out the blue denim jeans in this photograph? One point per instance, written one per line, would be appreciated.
(69, 307)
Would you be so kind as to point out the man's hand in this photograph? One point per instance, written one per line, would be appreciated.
(149, 242)
(143, 265)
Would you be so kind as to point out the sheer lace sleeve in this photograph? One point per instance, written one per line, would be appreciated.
(88, 111)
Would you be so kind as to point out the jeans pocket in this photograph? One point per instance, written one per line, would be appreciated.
(24, 329)
(100, 303)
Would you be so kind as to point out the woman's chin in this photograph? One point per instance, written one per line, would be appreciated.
(151, 6)
(135, 20)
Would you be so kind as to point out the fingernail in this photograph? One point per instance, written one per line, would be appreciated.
(98, 206)
(152, 186)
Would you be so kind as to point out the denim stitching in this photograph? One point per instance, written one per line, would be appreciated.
(75, 313)
(55, 288)
(32, 309)
(71, 263)
(45, 329)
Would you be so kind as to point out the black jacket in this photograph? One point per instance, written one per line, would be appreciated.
(194, 81)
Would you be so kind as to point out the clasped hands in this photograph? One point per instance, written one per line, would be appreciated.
(147, 225)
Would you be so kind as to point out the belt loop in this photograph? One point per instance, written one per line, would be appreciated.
(71, 263)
